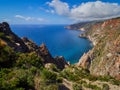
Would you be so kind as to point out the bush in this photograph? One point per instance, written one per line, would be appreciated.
(49, 76)
(77, 87)
(66, 73)
(16, 80)
(104, 78)
(105, 87)
(49, 87)
(7, 56)
(2, 35)
(26, 61)
(93, 87)
(115, 82)
(54, 68)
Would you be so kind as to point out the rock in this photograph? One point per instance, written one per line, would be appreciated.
(61, 62)
(25, 45)
(12, 39)
(44, 53)
(85, 60)
(44, 49)
(109, 55)
(104, 58)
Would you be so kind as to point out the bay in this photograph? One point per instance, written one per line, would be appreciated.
(59, 41)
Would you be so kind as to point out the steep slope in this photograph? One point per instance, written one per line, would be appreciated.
(12, 39)
(83, 26)
(36, 69)
(104, 58)
(25, 45)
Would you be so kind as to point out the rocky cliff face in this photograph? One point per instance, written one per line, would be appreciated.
(25, 45)
(83, 26)
(44, 53)
(11, 39)
(104, 58)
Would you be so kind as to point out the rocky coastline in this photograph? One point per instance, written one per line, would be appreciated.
(24, 45)
(102, 59)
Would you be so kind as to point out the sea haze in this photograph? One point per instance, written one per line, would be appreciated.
(60, 41)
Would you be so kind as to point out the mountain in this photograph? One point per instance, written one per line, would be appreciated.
(83, 26)
(25, 45)
(104, 58)
(27, 66)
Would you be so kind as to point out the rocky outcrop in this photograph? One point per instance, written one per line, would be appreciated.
(44, 53)
(85, 60)
(104, 58)
(12, 39)
(83, 26)
(25, 45)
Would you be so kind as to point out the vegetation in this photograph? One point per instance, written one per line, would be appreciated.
(19, 70)
(26, 71)
(77, 87)
(105, 87)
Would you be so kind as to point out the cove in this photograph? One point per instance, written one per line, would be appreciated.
(59, 41)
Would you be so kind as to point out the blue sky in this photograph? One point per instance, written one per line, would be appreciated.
(57, 11)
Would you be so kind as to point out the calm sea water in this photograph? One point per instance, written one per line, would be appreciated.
(60, 41)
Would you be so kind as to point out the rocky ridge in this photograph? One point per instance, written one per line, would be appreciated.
(83, 26)
(25, 45)
(104, 58)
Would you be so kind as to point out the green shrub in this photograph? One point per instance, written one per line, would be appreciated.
(48, 87)
(104, 78)
(49, 76)
(7, 56)
(16, 79)
(69, 75)
(77, 87)
(93, 87)
(105, 87)
(2, 34)
(54, 68)
(115, 82)
(28, 60)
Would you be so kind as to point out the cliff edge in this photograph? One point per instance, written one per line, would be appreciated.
(104, 58)
(25, 45)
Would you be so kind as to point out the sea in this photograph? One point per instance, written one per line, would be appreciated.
(59, 40)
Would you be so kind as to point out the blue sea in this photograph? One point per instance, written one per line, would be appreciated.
(60, 41)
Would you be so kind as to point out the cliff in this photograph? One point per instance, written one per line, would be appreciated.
(83, 26)
(25, 45)
(104, 58)
(36, 69)
(12, 39)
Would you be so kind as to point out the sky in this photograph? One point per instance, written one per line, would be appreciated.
(57, 11)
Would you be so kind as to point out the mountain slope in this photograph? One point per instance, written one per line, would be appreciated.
(25, 45)
(104, 58)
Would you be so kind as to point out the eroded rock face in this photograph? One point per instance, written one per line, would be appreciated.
(61, 62)
(25, 45)
(85, 60)
(44, 53)
(104, 58)
(12, 39)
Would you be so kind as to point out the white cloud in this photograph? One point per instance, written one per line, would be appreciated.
(61, 8)
(6, 20)
(24, 18)
(30, 18)
(40, 19)
(50, 11)
(86, 11)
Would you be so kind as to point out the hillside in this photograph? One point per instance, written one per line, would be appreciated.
(27, 66)
(104, 58)
(83, 26)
